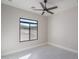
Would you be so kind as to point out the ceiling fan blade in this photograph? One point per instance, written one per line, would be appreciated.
(52, 7)
(50, 12)
(42, 5)
(38, 9)
(42, 13)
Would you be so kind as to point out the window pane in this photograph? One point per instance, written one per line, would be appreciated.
(29, 21)
(24, 30)
(33, 31)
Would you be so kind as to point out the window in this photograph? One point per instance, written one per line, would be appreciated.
(28, 29)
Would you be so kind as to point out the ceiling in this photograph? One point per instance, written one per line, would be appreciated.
(28, 4)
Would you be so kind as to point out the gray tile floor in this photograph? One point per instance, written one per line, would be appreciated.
(43, 52)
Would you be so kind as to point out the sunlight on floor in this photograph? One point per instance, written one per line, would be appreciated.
(26, 56)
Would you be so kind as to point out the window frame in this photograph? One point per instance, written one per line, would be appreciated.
(29, 30)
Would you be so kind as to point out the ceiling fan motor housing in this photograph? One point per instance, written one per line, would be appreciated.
(45, 1)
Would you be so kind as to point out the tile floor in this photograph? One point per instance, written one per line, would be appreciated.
(43, 52)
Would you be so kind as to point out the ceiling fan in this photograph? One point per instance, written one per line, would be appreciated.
(45, 8)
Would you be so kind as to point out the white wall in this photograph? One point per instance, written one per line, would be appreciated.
(63, 29)
(10, 29)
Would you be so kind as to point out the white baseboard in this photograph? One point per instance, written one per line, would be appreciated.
(4, 54)
(62, 47)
